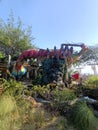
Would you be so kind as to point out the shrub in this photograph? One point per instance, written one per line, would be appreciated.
(91, 82)
(62, 98)
(65, 95)
(63, 124)
(12, 88)
(2, 56)
(42, 90)
(83, 117)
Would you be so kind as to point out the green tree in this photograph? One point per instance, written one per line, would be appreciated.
(14, 39)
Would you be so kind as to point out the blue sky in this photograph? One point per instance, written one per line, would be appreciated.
(56, 21)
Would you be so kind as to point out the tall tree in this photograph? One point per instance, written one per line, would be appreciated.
(13, 37)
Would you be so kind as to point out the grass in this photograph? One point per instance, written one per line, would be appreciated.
(9, 114)
(19, 114)
(83, 117)
(23, 116)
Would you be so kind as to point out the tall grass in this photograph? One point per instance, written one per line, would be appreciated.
(83, 117)
(9, 114)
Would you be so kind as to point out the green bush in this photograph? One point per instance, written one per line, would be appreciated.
(1, 55)
(42, 90)
(62, 98)
(12, 88)
(83, 117)
(91, 82)
(63, 124)
(65, 95)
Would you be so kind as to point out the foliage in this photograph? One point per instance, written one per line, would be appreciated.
(1, 55)
(13, 37)
(16, 111)
(12, 88)
(42, 90)
(37, 80)
(63, 124)
(64, 95)
(83, 117)
(9, 114)
(91, 82)
(22, 115)
(19, 113)
(62, 99)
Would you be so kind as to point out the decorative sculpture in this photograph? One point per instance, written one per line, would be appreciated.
(55, 62)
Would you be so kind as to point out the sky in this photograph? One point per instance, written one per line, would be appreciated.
(56, 21)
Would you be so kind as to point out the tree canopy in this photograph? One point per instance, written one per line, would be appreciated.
(14, 39)
(91, 55)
